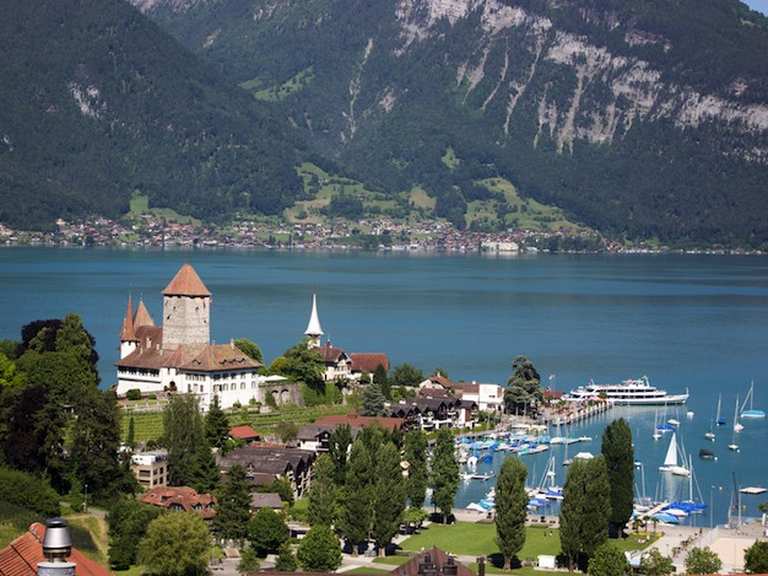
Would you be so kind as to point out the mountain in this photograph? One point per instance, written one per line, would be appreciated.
(642, 118)
(97, 102)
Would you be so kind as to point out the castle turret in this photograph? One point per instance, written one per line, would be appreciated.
(128, 340)
(314, 331)
(186, 310)
(142, 316)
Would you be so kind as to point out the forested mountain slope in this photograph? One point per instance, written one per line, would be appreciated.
(645, 118)
(96, 101)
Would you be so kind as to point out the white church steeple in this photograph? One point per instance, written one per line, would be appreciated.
(314, 331)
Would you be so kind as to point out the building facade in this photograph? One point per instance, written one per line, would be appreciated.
(150, 468)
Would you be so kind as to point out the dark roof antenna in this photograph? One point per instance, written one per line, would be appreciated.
(57, 546)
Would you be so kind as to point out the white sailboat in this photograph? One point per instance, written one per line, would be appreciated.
(656, 432)
(751, 413)
(718, 419)
(737, 426)
(670, 461)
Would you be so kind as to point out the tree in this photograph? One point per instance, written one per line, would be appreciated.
(319, 550)
(620, 462)
(511, 508)
(373, 400)
(286, 559)
(380, 378)
(407, 375)
(303, 364)
(756, 558)
(267, 531)
(28, 491)
(389, 496)
(249, 561)
(338, 447)
(418, 473)
(523, 386)
(608, 560)
(585, 510)
(131, 437)
(216, 425)
(10, 377)
(190, 461)
(355, 521)
(322, 493)
(233, 506)
(287, 431)
(74, 338)
(128, 522)
(654, 563)
(445, 473)
(250, 349)
(95, 442)
(702, 561)
(176, 544)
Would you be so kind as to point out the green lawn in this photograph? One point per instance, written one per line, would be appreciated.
(135, 570)
(392, 560)
(362, 570)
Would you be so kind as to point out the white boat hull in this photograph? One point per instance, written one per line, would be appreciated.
(675, 399)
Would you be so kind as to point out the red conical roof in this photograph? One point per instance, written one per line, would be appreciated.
(142, 317)
(127, 333)
(186, 283)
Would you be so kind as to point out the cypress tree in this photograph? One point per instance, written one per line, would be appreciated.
(131, 438)
(418, 474)
(373, 400)
(216, 425)
(445, 473)
(389, 496)
(620, 461)
(233, 506)
(570, 511)
(511, 508)
(322, 493)
(597, 506)
(355, 521)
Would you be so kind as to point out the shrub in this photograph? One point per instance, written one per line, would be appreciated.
(319, 550)
(27, 491)
(133, 394)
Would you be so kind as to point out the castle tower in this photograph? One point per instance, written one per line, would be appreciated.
(314, 331)
(128, 340)
(186, 310)
(142, 317)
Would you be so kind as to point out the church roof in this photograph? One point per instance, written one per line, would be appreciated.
(142, 317)
(186, 283)
(127, 333)
(314, 328)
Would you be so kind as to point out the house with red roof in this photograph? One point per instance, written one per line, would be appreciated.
(21, 556)
(181, 499)
(244, 433)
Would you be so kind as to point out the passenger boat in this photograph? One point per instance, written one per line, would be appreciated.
(637, 392)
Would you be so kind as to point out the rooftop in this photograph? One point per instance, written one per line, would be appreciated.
(186, 283)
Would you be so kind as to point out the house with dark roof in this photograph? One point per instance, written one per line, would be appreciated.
(430, 413)
(269, 500)
(264, 464)
(315, 436)
(489, 397)
(21, 556)
(179, 356)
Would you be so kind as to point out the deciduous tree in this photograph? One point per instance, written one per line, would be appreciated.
(608, 560)
(267, 531)
(250, 349)
(176, 544)
(654, 563)
(322, 493)
(756, 558)
(338, 447)
(319, 550)
(389, 496)
(190, 461)
(444, 473)
(418, 472)
(702, 561)
(355, 521)
(620, 462)
(407, 375)
(511, 508)
(128, 522)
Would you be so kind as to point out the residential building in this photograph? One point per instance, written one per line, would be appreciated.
(488, 397)
(150, 468)
(22, 555)
(181, 499)
(266, 463)
(269, 500)
(315, 436)
(430, 413)
(244, 433)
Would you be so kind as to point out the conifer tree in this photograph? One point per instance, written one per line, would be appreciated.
(286, 559)
(418, 473)
(190, 461)
(373, 400)
(511, 508)
(131, 438)
(570, 511)
(322, 493)
(389, 496)
(233, 506)
(444, 473)
(380, 378)
(216, 425)
(597, 506)
(620, 461)
(355, 522)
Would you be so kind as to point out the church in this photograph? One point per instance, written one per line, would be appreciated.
(178, 355)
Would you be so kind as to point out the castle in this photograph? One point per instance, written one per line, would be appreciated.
(178, 356)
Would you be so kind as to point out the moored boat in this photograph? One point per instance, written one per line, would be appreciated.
(638, 392)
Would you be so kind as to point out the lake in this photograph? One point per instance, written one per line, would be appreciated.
(686, 321)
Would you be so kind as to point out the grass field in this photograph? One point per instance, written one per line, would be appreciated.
(363, 570)
(139, 204)
(296, 83)
(392, 560)
(149, 425)
(90, 533)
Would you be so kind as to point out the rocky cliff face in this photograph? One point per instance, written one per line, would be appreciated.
(576, 101)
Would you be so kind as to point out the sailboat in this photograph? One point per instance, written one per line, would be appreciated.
(670, 461)
(737, 426)
(547, 487)
(720, 421)
(751, 413)
(656, 432)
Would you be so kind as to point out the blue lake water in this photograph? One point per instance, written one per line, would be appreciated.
(686, 321)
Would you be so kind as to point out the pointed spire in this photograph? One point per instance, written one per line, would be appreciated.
(313, 328)
(186, 283)
(142, 317)
(127, 333)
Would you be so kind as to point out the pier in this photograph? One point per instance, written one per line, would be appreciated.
(575, 412)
